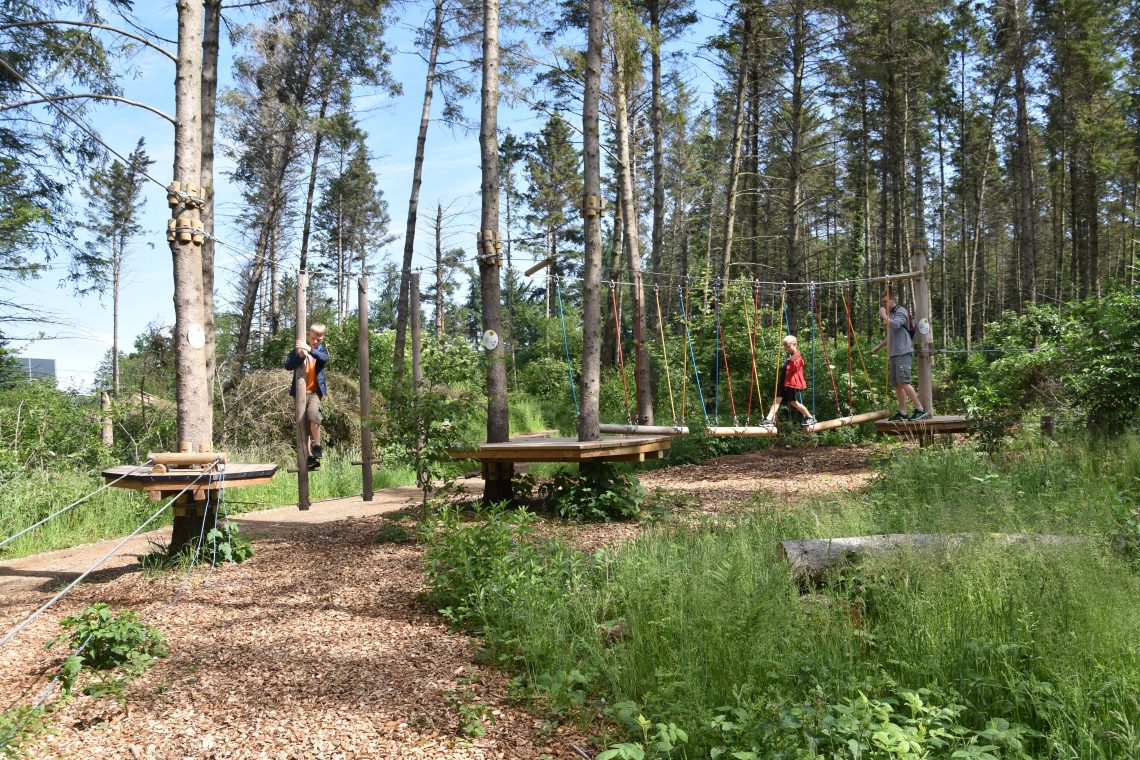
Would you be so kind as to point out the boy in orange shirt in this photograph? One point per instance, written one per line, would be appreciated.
(314, 356)
(792, 385)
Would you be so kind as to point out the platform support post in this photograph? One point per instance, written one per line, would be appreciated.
(299, 392)
(924, 341)
(189, 514)
(365, 391)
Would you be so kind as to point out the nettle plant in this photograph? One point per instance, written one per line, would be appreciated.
(113, 647)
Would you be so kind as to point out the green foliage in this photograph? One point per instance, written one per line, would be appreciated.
(1103, 359)
(226, 544)
(45, 428)
(20, 729)
(595, 493)
(115, 647)
(393, 533)
(991, 417)
(983, 650)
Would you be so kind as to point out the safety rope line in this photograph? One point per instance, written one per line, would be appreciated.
(827, 360)
(638, 343)
(753, 339)
(850, 361)
(693, 356)
(74, 504)
(621, 354)
(852, 334)
(887, 372)
(727, 373)
(716, 359)
(15, 630)
(811, 324)
(665, 353)
(566, 345)
(684, 370)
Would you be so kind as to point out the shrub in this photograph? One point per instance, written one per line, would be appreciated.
(595, 493)
(20, 729)
(115, 646)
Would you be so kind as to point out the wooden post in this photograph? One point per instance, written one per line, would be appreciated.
(105, 409)
(365, 392)
(924, 338)
(299, 392)
(417, 346)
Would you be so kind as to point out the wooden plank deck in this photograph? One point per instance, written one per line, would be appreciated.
(233, 476)
(629, 448)
(942, 423)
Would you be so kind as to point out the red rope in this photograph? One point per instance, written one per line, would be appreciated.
(621, 356)
(638, 345)
(754, 382)
(850, 365)
(727, 374)
(827, 359)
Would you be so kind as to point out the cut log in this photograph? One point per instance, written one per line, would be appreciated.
(810, 558)
(854, 419)
(644, 429)
(748, 430)
(186, 459)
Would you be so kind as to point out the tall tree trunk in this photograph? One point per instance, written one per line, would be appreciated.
(498, 483)
(252, 289)
(414, 199)
(795, 153)
(737, 142)
(632, 239)
(439, 269)
(656, 117)
(592, 259)
(314, 168)
(1026, 214)
(942, 233)
(195, 418)
(274, 284)
(211, 31)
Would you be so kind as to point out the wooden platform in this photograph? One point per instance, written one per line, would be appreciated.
(942, 423)
(232, 476)
(626, 448)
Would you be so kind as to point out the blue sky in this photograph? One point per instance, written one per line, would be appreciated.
(451, 176)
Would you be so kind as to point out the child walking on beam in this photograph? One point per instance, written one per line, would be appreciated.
(792, 385)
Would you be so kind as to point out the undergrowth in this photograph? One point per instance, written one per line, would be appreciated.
(696, 641)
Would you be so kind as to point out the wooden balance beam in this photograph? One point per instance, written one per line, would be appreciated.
(644, 429)
(853, 419)
(943, 423)
(757, 431)
(611, 449)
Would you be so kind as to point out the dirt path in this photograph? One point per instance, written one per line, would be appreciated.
(319, 646)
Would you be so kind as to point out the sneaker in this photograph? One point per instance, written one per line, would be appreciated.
(919, 414)
(898, 417)
(317, 452)
(808, 421)
(766, 423)
(313, 464)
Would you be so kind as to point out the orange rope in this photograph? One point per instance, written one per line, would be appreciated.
(724, 353)
(753, 332)
(621, 356)
(827, 360)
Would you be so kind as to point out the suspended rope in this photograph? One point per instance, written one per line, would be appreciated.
(638, 343)
(853, 337)
(727, 373)
(753, 338)
(566, 345)
(684, 367)
(887, 372)
(664, 353)
(716, 358)
(811, 323)
(781, 314)
(693, 356)
(827, 360)
(621, 355)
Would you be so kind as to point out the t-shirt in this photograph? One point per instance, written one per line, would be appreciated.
(900, 337)
(311, 374)
(794, 371)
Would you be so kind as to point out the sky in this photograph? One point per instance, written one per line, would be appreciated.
(451, 176)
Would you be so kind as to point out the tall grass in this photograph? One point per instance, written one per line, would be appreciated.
(116, 512)
(1041, 637)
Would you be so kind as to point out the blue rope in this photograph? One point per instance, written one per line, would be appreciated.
(566, 345)
(716, 357)
(693, 356)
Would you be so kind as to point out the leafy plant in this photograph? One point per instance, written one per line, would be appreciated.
(595, 493)
(991, 417)
(221, 544)
(116, 647)
(393, 533)
(20, 729)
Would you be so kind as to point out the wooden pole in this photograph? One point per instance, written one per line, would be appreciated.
(365, 391)
(924, 337)
(108, 426)
(299, 390)
(417, 345)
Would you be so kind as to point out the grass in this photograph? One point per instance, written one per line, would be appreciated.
(1034, 647)
(116, 512)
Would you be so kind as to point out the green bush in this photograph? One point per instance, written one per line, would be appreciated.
(595, 493)
(21, 727)
(116, 647)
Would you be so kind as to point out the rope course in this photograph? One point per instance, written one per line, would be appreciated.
(566, 345)
(15, 630)
(620, 353)
(73, 504)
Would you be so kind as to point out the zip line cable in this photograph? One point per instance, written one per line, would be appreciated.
(73, 504)
(14, 631)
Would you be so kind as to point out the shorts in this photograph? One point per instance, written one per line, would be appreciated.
(788, 395)
(313, 407)
(900, 369)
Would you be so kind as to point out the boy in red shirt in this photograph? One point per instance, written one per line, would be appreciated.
(792, 385)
